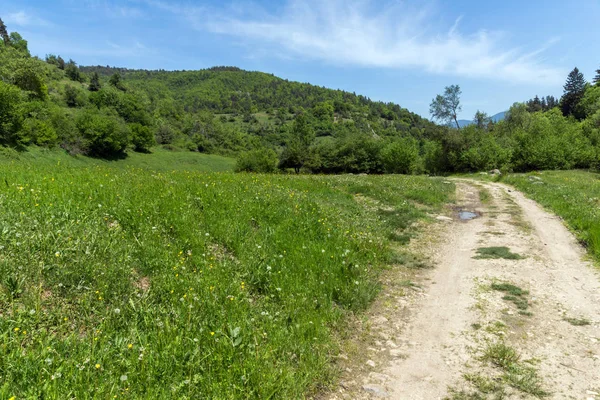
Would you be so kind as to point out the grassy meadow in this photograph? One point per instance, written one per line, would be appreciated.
(573, 195)
(138, 279)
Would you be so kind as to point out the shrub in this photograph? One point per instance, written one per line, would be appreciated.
(104, 134)
(401, 156)
(39, 132)
(141, 137)
(74, 97)
(10, 118)
(29, 77)
(165, 134)
(261, 160)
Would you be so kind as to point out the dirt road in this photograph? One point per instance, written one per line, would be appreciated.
(520, 320)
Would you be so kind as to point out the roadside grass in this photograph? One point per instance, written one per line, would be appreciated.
(578, 321)
(519, 374)
(121, 280)
(484, 195)
(496, 253)
(572, 195)
(515, 295)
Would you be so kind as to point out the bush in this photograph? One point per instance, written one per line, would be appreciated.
(141, 137)
(165, 134)
(434, 160)
(39, 132)
(261, 160)
(104, 134)
(401, 157)
(10, 118)
(74, 97)
(29, 77)
(354, 153)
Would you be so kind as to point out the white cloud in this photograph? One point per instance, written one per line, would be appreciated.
(24, 19)
(369, 33)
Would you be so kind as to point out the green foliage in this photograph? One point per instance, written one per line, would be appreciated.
(482, 120)
(401, 157)
(227, 111)
(18, 43)
(296, 152)
(115, 81)
(39, 132)
(103, 134)
(72, 71)
(74, 96)
(10, 117)
(354, 153)
(94, 83)
(260, 160)
(29, 76)
(4, 33)
(165, 134)
(574, 89)
(447, 106)
(141, 137)
(484, 253)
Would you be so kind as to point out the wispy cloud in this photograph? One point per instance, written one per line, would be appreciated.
(25, 19)
(111, 8)
(374, 34)
(124, 12)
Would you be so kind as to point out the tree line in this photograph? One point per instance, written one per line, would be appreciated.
(273, 124)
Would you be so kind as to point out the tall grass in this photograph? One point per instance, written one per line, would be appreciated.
(122, 282)
(573, 195)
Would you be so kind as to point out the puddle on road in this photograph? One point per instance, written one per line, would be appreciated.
(467, 215)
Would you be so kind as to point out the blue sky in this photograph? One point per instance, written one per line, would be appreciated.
(389, 50)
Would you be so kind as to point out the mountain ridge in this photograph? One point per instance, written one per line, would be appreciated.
(495, 118)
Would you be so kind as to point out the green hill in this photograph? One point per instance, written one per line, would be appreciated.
(270, 123)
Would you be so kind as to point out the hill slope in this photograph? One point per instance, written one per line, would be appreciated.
(233, 90)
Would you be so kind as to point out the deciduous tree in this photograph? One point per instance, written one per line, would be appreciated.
(481, 119)
(447, 106)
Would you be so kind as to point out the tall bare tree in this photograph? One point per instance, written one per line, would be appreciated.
(447, 106)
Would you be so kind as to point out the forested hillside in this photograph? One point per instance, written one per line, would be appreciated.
(270, 123)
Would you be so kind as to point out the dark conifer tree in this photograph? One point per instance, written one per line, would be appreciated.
(94, 83)
(573, 92)
(4, 33)
(115, 80)
(61, 62)
(597, 77)
(551, 102)
(73, 71)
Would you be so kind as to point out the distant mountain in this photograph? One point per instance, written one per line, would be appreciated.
(498, 117)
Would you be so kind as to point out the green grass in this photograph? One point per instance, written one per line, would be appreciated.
(484, 195)
(495, 253)
(573, 195)
(121, 279)
(578, 321)
(158, 160)
(519, 374)
(515, 295)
